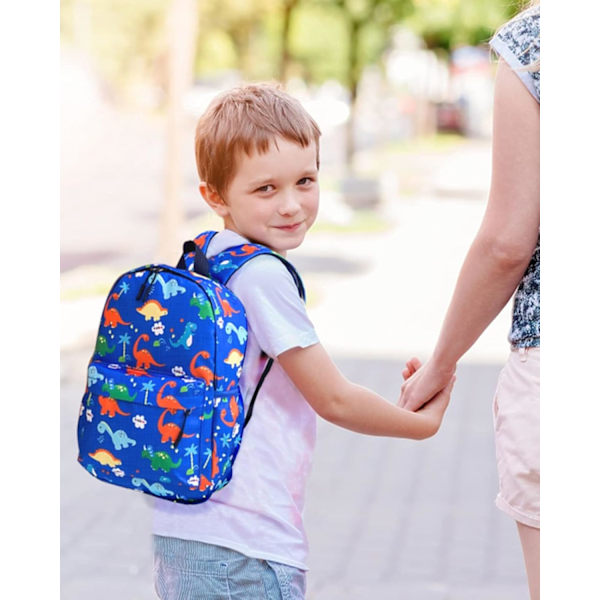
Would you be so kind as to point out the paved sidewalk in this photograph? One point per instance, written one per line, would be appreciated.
(387, 519)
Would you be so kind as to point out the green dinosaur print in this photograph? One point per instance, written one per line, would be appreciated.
(118, 392)
(160, 460)
(205, 310)
(102, 347)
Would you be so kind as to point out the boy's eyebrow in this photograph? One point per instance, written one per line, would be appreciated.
(260, 181)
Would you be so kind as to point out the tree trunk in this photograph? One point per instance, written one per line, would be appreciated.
(353, 79)
(182, 23)
(286, 58)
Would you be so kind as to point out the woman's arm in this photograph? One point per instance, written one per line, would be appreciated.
(352, 406)
(504, 244)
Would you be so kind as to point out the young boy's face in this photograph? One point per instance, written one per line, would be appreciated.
(273, 198)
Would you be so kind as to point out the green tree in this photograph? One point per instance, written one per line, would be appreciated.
(243, 22)
(365, 21)
(450, 23)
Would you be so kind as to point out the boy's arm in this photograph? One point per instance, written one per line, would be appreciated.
(352, 406)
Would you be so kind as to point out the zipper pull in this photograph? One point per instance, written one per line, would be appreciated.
(186, 412)
(145, 288)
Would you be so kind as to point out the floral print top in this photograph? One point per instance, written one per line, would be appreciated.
(518, 43)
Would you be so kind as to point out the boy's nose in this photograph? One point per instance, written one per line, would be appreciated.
(289, 204)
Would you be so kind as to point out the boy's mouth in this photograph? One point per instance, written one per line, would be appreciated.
(291, 227)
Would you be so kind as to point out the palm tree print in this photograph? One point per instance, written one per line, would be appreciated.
(190, 451)
(124, 288)
(125, 340)
(147, 387)
(208, 454)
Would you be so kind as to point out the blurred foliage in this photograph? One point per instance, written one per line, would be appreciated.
(125, 39)
(265, 39)
(449, 23)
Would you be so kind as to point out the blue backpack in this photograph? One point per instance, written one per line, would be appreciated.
(162, 410)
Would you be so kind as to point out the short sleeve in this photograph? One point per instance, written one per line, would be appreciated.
(518, 44)
(275, 312)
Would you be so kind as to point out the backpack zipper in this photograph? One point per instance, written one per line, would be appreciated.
(186, 413)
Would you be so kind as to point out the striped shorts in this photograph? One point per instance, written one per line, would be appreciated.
(189, 570)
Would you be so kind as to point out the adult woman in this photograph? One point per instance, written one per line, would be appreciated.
(504, 257)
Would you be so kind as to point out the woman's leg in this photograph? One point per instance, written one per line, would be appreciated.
(530, 542)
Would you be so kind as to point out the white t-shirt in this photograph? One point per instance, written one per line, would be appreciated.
(259, 513)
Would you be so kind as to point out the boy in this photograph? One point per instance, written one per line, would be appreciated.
(257, 153)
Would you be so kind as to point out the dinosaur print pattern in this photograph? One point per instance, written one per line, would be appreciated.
(169, 288)
(152, 310)
(240, 332)
(186, 338)
(119, 438)
(162, 412)
(143, 358)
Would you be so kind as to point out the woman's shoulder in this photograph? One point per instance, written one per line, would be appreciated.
(522, 35)
(518, 43)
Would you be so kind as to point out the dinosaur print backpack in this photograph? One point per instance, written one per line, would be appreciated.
(162, 411)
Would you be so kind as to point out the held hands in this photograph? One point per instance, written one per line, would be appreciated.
(426, 390)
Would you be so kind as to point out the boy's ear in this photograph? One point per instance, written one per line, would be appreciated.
(213, 199)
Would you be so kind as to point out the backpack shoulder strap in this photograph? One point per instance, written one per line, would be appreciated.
(222, 266)
(225, 264)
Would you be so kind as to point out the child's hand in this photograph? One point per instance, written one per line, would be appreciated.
(423, 382)
(433, 411)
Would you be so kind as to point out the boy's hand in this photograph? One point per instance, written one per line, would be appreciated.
(422, 383)
(433, 411)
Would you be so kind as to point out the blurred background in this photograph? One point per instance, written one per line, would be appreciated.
(403, 92)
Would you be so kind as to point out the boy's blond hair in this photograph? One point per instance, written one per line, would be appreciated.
(248, 119)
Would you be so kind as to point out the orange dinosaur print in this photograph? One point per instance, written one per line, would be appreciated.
(204, 483)
(202, 371)
(169, 431)
(200, 241)
(135, 372)
(227, 309)
(169, 402)
(143, 358)
(246, 250)
(235, 412)
(109, 406)
(215, 461)
(112, 317)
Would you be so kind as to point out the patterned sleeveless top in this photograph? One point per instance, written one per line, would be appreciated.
(518, 44)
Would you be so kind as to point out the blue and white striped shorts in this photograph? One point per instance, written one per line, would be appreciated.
(189, 570)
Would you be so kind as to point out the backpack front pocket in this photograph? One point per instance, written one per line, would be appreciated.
(142, 432)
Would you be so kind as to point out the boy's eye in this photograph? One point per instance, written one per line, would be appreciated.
(305, 180)
(264, 188)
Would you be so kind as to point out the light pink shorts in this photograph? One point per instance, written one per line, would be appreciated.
(517, 428)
